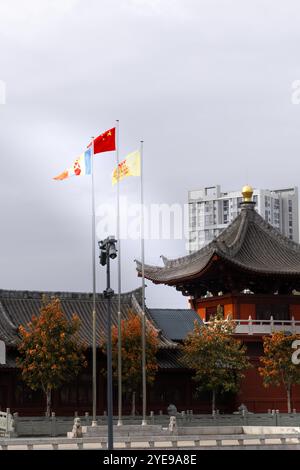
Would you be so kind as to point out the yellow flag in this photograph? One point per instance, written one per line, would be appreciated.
(131, 166)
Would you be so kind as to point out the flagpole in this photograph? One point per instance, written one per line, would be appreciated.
(144, 383)
(119, 290)
(94, 421)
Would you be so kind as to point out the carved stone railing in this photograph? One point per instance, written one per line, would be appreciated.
(232, 441)
(261, 327)
(7, 425)
(55, 426)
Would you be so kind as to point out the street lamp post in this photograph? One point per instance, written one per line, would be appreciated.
(108, 251)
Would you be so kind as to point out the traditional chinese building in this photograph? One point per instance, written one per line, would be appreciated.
(173, 383)
(253, 272)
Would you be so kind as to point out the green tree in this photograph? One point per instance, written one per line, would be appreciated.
(217, 358)
(277, 367)
(50, 352)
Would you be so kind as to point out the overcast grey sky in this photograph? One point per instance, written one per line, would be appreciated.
(206, 84)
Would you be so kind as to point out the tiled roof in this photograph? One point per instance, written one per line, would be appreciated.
(170, 359)
(249, 243)
(167, 358)
(8, 329)
(17, 308)
(174, 323)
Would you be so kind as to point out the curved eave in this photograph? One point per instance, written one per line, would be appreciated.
(249, 243)
(172, 280)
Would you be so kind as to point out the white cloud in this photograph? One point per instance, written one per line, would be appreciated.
(30, 16)
(206, 83)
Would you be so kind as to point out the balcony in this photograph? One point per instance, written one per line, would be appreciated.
(265, 327)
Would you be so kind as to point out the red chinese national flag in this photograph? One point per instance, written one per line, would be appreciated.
(105, 142)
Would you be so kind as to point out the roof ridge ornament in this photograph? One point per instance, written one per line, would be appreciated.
(247, 193)
(164, 260)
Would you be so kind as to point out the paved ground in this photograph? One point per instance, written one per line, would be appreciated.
(182, 445)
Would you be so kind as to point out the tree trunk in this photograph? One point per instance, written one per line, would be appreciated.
(48, 402)
(289, 406)
(133, 404)
(213, 403)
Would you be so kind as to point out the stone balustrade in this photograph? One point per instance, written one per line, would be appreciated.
(203, 441)
(21, 426)
(252, 326)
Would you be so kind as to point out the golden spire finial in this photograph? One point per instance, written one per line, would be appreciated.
(247, 193)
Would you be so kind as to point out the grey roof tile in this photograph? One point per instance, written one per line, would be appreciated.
(17, 308)
(249, 242)
(174, 323)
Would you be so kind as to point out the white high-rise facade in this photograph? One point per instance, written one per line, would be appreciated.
(211, 210)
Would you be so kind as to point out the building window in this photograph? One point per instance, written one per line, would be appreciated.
(209, 206)
(192, 208)
(225, 211)
(209, 235)
(208, 219)
(192, 236)
(201, 235)
(277, 311)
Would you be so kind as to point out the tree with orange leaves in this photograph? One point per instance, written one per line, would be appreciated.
(277, 365)
(131, 334)
(50, 350)
(217, 358)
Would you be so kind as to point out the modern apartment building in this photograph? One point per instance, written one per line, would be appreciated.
(211, 210)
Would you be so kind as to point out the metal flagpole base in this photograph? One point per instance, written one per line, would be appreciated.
(144, 423)
(120, 422)
(94, 423)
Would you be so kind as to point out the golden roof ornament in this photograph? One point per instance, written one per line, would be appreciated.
(247, 193)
